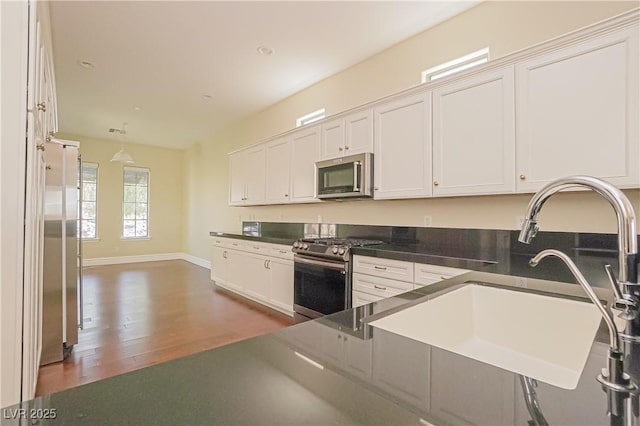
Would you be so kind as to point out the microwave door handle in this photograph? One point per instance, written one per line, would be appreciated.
(356, 176)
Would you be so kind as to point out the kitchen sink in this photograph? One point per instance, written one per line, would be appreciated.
(543, 337)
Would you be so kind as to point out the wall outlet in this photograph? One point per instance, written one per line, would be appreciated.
(426, 220)
(319, 218)
(519, 222)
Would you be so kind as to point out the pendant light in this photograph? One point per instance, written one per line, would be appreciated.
(121, 156)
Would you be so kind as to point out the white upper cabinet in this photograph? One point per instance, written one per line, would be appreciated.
(474, 135)
(305, 153)
(278, 172)
(578, 112)
(348, 135)
(402, 141)
(247, 175)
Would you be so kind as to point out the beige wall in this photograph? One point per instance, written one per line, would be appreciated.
(165, 198)
(503, 26)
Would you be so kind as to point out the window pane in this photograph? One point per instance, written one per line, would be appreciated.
(88, 229)
(89, 210)
(129, 210)
(130, 176)
(141, 194)
(88, 191)
(129, 228)
(141, 211)
(129, 194)
(141, 228)
(142, 178)
(89, 173)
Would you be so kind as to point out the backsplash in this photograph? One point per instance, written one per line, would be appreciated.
(482, 244)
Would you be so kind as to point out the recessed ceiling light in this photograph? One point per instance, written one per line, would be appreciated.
(86, 64)
(265, 50)
(137, 108)
(207, 97)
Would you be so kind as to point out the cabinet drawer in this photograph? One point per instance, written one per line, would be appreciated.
(382, 287)
(359, 298)
(280, 251)
(429, 274)
(385, 268)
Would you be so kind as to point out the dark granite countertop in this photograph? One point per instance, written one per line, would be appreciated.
(271, 240)
(334, 370)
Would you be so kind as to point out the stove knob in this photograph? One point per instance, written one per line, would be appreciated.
(341, 251)
(334, 250)
(296, 244)
(305, 246)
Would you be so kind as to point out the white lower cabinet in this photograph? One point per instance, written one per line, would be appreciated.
(359, 298)
(249, 272)
(401, 367)
(493, 390)
(347, 352)
(425, 274)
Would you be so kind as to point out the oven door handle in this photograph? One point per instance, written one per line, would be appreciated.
(332, 265)
(357, 167)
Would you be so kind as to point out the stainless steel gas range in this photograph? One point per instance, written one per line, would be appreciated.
(322, 275)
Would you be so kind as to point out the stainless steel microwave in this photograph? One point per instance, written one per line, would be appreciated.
(344, 177)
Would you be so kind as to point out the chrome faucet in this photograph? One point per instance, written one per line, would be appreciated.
(622, 377)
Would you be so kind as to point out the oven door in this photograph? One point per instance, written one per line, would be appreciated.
(320, 286)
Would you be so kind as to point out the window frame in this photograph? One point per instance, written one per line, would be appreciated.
(312, 117)
(148, 203)
(465, 62)
(96, 166)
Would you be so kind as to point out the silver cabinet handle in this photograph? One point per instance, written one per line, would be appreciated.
(256, 247)
(379, 287)
(346, 147)
(380, 268)
(265, 264)
(522, 177)
(340, 148)
(436, 183)
(40, 147)
(224, 254)
(286, 195)
(269, 264)
(284, 251)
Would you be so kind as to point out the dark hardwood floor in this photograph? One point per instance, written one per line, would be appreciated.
(142, 314)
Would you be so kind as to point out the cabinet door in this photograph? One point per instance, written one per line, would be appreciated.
(454, 375)
(333, 138)
(255, 275)
(235, 273)
(254, 170)
(218, 264)
(403, 147)
(358, 356)
(278, 153)
(358, 132)
(281, 285)
(578, 112)
(306, 151)
(401, 367)
(473, 135)
(237, 182)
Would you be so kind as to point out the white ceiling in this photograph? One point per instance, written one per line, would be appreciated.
(163, 56)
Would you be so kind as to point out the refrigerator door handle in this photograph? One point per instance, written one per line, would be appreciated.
(80, 266)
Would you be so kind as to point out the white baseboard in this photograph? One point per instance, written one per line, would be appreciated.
(116, 260)
(196, 260)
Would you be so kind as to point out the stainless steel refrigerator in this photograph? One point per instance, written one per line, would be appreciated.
(62, 261)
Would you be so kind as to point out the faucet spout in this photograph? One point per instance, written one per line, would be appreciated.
(627, 233)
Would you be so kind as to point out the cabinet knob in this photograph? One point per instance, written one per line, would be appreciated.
(436, 183)
(339, 148)
(40, 147)
(41, 106)
(346, 147)
(286, 195)
(376, 188)
(522, 177)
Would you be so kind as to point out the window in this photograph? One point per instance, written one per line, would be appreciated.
(310, 118)
(464, 62)
(89, 207)
(135, 206)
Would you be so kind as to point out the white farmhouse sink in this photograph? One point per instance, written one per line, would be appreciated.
(546, 338)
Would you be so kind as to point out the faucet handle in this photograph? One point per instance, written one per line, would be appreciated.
(613, 281)
(627, 304)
